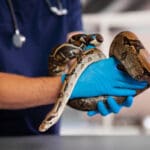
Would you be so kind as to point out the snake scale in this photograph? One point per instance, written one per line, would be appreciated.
(72, 58)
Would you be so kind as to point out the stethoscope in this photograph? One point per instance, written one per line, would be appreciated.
(18, 39)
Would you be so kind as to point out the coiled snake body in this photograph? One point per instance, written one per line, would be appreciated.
(125, 47)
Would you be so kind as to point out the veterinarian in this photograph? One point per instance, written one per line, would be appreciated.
(28, 31)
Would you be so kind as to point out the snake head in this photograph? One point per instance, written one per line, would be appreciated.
(47, 123)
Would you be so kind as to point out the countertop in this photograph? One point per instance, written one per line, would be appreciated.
(75, 143)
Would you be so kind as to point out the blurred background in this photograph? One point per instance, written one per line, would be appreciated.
(109, 17)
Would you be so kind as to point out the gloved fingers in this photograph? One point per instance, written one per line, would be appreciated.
(102, 109)
(129, 85)
(121, 75)
(124, 77)
(92, 113)
(122, 92)
(113, 105)
(128, 102)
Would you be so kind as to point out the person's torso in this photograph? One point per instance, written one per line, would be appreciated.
(43, 31)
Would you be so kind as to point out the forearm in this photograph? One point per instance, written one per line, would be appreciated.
(18, 92)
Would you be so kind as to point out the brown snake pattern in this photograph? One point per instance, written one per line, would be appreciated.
(125, 47)
(134, 59)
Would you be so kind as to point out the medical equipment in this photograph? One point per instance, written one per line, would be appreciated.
(60, 11)
(18, 39)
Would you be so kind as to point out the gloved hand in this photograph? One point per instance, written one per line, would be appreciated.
(103, 78)
(113, 106)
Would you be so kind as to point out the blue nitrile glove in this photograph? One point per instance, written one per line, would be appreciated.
(103, 78)
(114, 107)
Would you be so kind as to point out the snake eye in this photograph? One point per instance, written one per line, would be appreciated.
(49, 119)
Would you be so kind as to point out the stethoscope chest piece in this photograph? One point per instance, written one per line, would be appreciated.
(18, 39)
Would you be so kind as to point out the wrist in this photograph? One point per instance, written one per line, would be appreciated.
(63, 76)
